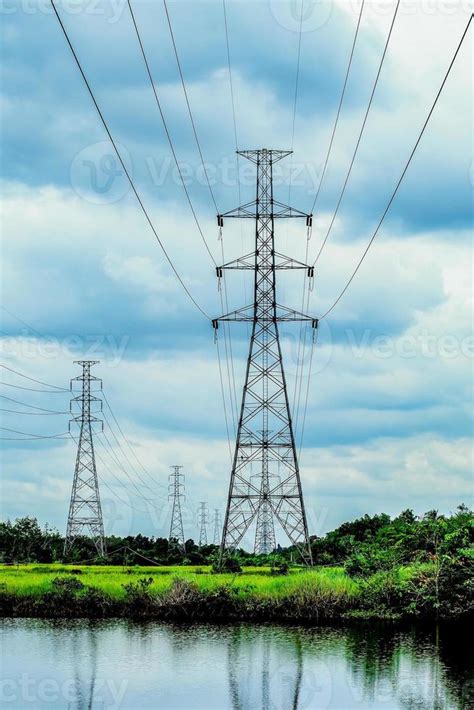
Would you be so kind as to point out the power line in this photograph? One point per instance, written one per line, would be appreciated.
(115, 459)
(132, 184)
(183, 83)
(127, 442)
(299, 369)
(104, 482)
(30, 389)
(301, 359)
(29, 438)
(239, 191)
(223, 399)
(143, 482)
(22, 321)
(227, 334)
(338, 109)
(230, 73)
(34, 436)
(38, 414)
(236, 142)
(297, 75)
(230, 368)
(305, 409)
(229, 352)
(360, 135)
(24, 404)
(39, 382)
(168, 135)
(403, 173)
(295, 101)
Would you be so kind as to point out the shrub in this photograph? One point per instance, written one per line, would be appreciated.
(280, 568)
(67, 585)
(384, 594)
(227, 564)
(138, 599)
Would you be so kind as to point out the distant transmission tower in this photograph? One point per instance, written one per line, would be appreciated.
(203, 520)
(85, 513)
(176, 494)
(217, 527)
(265, 433)
(265, 542)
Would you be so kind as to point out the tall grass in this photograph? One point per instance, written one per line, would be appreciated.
(196, 593)
(35, 580)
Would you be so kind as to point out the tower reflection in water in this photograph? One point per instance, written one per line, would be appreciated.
(263, 674)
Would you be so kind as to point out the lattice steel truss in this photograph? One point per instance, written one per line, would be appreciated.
(217, 527)
(85, 512)
(203, 520)
(176, 494)
(265, 482)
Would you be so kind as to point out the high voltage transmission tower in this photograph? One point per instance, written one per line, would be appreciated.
(217, 527)
(85, 512)
(176, 494)
(265, 438)
(203, 520)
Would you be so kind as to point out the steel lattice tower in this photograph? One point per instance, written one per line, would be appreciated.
(203, 520)
(176, 494)
(217, 527)
(265, 437)
(85, 512)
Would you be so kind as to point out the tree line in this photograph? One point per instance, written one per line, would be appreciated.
(363, 546)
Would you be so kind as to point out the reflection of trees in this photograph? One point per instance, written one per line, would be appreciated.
(449, 662)
(259, 661)
(407, 665)
(373, 657)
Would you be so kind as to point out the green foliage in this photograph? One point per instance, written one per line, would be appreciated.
(407, 566)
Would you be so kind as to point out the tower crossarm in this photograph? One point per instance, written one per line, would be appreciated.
(243, 263)
(247, 263)
(276, 314)
(280, 210)
(284, 262)
(247, 210)
(90, 419)
(274, 209)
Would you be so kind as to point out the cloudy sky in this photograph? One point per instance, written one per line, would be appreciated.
(388, 422)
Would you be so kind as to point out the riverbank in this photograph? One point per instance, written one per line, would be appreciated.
(196, 594)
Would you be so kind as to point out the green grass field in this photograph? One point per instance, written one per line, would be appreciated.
(36, 579)
(194, 592)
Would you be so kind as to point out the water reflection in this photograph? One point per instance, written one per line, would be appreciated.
(260, 672)
(118, 664)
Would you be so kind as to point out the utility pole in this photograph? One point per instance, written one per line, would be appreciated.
(203, 520)
(176, 494)
(85, 512)
(217, 527)
(265, 431)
